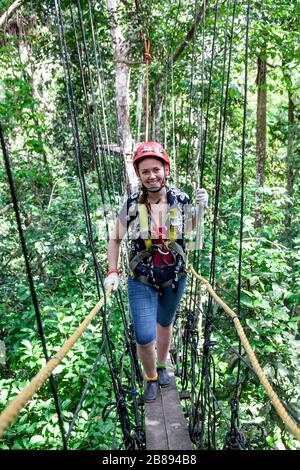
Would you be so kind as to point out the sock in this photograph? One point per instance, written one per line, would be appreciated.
(151, 379)
(161, 364)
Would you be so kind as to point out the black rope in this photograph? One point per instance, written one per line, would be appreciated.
(197, 253)
(191, 91)
(237, 353)
(86, 388)
(30, 280)
(130, 342)
(254, 435)
(135, 377)
(119, 391)
(194, 285)
(98, 127)
(190, 343)
(207, 408)
(222, 122)
(203, 401)
(96, 139)
(203, 146)
(234, 438)
(221, 136)
(102, 91)
(78, 151)
(116, 381)
(117, 385)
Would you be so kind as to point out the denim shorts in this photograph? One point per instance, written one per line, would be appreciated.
(147, 307)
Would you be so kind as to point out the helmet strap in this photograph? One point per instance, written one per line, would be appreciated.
(154, 190)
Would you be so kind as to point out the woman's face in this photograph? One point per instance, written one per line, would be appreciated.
(151, 172)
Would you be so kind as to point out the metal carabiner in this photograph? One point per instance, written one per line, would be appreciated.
(162, 252)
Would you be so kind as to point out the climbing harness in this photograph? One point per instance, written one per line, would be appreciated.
(141, 262)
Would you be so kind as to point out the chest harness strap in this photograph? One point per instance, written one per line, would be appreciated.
(171, 245)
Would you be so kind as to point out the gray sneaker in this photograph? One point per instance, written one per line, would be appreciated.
(163, 377)
(151, 389)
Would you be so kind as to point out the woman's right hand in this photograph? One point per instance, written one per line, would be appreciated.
(112, 279)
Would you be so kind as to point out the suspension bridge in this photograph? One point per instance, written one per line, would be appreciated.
(177, 420)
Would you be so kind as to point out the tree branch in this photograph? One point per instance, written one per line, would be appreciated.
(189, 35)
(7, 14)
(273, 66)
(6, 208)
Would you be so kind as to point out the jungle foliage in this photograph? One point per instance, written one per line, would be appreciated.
(34, 113)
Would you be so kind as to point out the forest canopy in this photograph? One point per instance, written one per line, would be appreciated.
(224, 100)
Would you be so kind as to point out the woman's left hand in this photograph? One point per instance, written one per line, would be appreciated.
(201, 197)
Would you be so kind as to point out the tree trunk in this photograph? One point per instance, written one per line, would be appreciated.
(122, 70)
(9, 12)
(261, 133)
(290, 169)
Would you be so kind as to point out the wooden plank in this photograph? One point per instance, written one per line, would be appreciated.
(176, 426)
(165, 424)
(156, 435)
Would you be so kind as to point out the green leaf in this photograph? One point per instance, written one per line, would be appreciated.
(67, 319)
(84, 415)
(264, 304)
(253, 280)
(58, 369)
(37, 440)
(246, 300)
(17, 446)
(257, 294)
(3, 394)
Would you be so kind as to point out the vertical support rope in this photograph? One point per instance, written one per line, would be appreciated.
(78, 149)
(173, 124)
(289, 422)
(30, 280)
(239, 287)
(234, 438)
(147, 46)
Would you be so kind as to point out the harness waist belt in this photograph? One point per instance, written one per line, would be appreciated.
(174, 246)
(144, 279)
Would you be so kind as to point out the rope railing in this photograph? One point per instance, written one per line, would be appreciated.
(20, 401)
(288, 421)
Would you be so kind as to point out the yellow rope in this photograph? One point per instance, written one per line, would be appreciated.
(289, 422)
(15, 406)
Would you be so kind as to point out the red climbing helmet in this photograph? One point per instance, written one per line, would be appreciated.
(151, 149)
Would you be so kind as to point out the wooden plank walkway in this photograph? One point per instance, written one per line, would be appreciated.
(165, 424)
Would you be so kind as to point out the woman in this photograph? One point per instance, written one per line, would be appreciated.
(157, 217)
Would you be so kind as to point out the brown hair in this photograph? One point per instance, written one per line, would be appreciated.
(143, 199)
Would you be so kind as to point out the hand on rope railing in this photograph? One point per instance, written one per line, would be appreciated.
(112, 279)
(201, 198)
(15, 406)
(289, 422)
